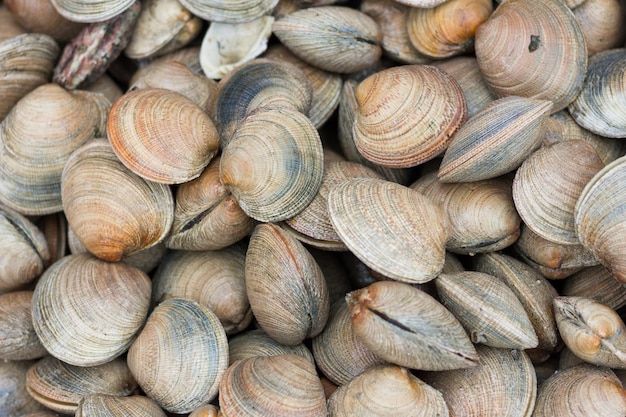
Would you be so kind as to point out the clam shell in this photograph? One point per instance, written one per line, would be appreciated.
(256, 342)
(407, 115)
(99, 405)
(229, 11)
(106, 86)
(161, 135)
(181, 342)
(206, 411)
(90, 10)
(394, 230)
(596, 282)
(18, 339)
(39, 16)
(602, 24)
(17, 400)
(9, 28)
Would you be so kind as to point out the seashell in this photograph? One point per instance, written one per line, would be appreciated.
(488, 309)
(259, 83)
(592, 331)
(162, 27)
(567, 359)
(256, 342)
(133, 214)
(350, 38)
(24, 248)
(545, 370)
(447, 29)
(229, 11)
(465, 70)
(598, 106)
(408, 327)
(27, 63)
(421, 3)
(482, 214)
(89, 11)
(41, 414)
(392, 17)
(384, 391)
(206, 411)
(60, 386)
(54, 228)
(273, 164)
(596, 282)
(581, 391)
(189, 56)
(335, 274)
(99, 405)
(338, 352)
(601, 22)
(502, 384)
(39, 16)
(9, 28)
(206, 216)
(16, 400)
(531, 289)
(18, 340)
(214, 279)
(181, 341)
(92, 51)
(106, 86)
(160, 145)
(496, 140)
(546, 50)
(313, 225)
(548, 184)
(377, 221)
(86, 311)
(285, 286)
(407, 115)
(37, 138)
(284, 385)
(226, 46)
(600, 217)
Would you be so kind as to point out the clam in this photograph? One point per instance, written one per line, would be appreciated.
(596, 282)
(285, 286)
(229, 11)
(421, 3)
(386, 391)
(256, 342)
(548, 184)
(39, 16)
(9, 28)
(545, 49)
(16, 400)
(602, 24)
(161, 135)
(333, 38)
(273, 164)
(181, 342)
(54, 228)
(107, 86)
(86, 311)
(502, 384)
(407, 115)
(284, 385)
(206, 411)
(496, 140)
(101, 405)
(113, 212)
(408, 327)
(599, 105)
(581, 391)
(391, 228)
(189, 56)
(592, 331)
(90, 10)
(18, 339)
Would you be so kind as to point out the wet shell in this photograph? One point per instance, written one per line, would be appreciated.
(113, 212)
(99, 405)
(545, 50)
(256, 342)
(597, 283)
(284, 385)
(496, 140)
(592, 331)
(90, 10)
(333, 38)
(394, 230)
(407, 115)
(87, 312)
(503, 384)
(600, 104)
(181, 342)
(60, 386)
(273, 165)
(18, 339)
(229, 11)
(548, 184)
(386, 391)
(408, 327)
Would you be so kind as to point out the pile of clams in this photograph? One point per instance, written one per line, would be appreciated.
(312, 208)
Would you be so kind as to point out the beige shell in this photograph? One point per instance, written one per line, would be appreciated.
(333, 38)
(548, 184)
(545, 50)
(17, 400)
(496, 140)
(161, 135)
(180, 355)
(39, 16)
(279, 386)
(285, 286)
(90, 10)
(190, 56)
(229, 11)
(408, 327)
(273, 165)
(87, 312)
(100, 405)
(206, 411)
(502, 384)
(407, 115)
(602, 24)
(596, 282)
(18, 339)
(113, 212)
(394, 230)
(387, 391)
(9, 28)
(256, 342)
(107, 86)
